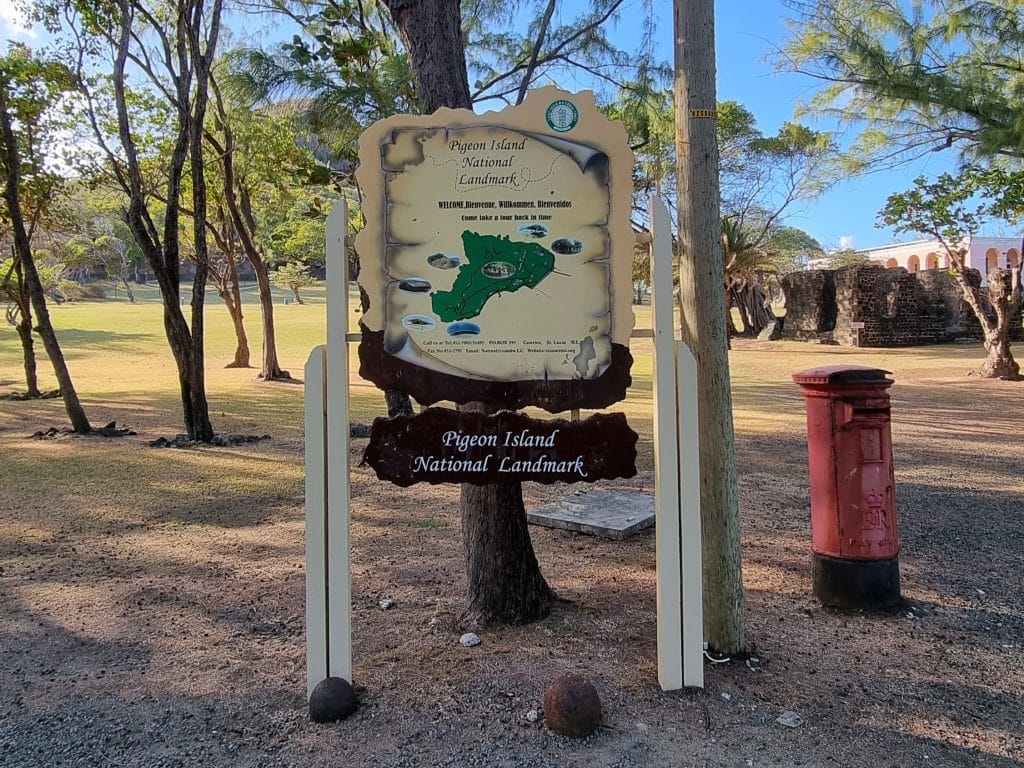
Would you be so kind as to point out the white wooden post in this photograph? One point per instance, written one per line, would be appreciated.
(328, 568)
(676, 479)
(316, 518)
(339, 572)
(666, 456)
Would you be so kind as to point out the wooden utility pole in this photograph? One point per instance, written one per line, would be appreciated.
(701, 281)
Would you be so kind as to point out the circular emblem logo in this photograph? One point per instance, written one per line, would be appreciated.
(562, 116)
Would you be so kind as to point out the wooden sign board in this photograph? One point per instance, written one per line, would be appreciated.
(445, 446)
(677, 471)
(497, 255)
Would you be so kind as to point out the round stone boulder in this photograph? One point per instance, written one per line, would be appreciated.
(333, 699)
(572, 707)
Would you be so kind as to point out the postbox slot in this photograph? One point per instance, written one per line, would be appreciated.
(869, 413)
(871, 404)
(847, 413)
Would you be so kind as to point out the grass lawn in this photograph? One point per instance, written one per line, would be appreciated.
(121, 364)
(123, 370)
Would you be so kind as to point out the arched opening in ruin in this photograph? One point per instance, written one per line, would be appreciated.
(931, 261)
(891, 263)
(991, 260)
(1012, 258)
(914, 264)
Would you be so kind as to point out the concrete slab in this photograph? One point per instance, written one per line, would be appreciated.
(611, 514)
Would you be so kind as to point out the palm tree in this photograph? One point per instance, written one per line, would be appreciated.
(743, 259)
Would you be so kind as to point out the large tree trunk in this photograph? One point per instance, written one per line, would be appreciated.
(236, 197)
(271, 367)
(163, 254)
(193, 399)
(702, 283)
(23, 309)
(753, 307)
(229, 290)
(1004, 294)
(1000, 363)
(739, 301)
(203, 63)
(730, 324)
(237, 316)
(23, 249)
(1004, 299)
(505, 583)
(124, 277)
(229, 294)
(241, 358)
(432, 33)
(28, 354)
(759, 308)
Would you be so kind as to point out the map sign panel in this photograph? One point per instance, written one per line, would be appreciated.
(497, 254)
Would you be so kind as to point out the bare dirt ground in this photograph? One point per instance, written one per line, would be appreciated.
(151, 604)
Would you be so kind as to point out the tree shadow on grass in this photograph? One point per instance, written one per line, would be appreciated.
(75, 339)
(194, 486)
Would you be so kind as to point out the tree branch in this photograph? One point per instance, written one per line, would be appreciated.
(532, 65)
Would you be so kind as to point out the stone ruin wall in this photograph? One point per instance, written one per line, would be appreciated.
(897, 308)
(810, 305)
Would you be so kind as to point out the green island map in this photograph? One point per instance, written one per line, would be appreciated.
(494, 265)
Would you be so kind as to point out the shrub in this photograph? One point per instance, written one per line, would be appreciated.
(73, 290)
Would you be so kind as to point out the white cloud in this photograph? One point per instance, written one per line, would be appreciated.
(846, 242)
(13, 24)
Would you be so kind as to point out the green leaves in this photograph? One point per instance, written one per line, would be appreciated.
(293, 276)
(932, 75)
(35, 91)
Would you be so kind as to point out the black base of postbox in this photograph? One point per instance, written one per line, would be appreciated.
(841, 583)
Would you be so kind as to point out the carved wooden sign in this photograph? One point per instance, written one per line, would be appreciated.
(445, 446)
(497, 255)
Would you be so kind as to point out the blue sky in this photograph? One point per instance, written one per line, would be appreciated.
(747, 31)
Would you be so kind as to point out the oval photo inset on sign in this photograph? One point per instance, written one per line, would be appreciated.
(463, 329)
(532, 229)
(443, 260)
(414, 285)
(419, 323)
(498, 270)
(567, 246)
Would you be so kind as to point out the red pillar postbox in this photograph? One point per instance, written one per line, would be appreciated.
(854, 540)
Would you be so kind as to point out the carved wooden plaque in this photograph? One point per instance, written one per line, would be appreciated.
(445, 446)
